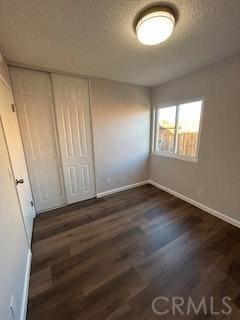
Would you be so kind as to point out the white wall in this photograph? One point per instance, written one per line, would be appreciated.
(121, 129)
(14, 249)
(218, 168)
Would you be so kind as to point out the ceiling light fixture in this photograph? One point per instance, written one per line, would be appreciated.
(155, 25)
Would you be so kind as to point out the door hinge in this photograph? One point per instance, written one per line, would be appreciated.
(13, 107)
(31, 203)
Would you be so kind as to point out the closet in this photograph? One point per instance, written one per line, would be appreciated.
(54, 116)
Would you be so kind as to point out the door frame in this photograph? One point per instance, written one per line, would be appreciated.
(91, 125)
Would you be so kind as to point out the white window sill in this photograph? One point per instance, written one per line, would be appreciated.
(175, 156)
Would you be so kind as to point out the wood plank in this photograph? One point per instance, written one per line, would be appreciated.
(108, 259)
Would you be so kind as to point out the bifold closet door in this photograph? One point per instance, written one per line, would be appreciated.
(34, 102)
(74, 128)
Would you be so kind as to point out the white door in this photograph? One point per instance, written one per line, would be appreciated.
(13, 138)
(33, 96)
(74, 128)
(14, 244)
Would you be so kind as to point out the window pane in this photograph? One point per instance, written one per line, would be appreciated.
(166, 129)
(188, 127)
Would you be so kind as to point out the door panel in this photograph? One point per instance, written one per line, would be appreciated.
(33, 96)
(13, 138)
(74, 128)
(14, 244)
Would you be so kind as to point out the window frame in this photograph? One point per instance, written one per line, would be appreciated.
(172, 154)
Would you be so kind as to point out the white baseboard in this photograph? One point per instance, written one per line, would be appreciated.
(201, 206)
(26, 286)
(124, 188)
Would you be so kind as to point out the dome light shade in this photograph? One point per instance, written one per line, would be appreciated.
(155, 25)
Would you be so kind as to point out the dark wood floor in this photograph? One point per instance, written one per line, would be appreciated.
(109, 258)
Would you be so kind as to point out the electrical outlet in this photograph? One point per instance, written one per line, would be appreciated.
(12, 307)
(199, 192)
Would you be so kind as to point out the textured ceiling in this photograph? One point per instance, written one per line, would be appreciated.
(96, 37)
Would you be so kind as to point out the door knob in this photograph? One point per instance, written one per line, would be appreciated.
(19, 181)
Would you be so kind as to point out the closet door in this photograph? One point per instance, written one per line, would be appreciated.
(74, 128)
(32, 90)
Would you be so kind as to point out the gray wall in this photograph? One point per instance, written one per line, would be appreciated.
(121, 127)
(218, 168)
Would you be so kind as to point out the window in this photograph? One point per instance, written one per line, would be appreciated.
(177, 130)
